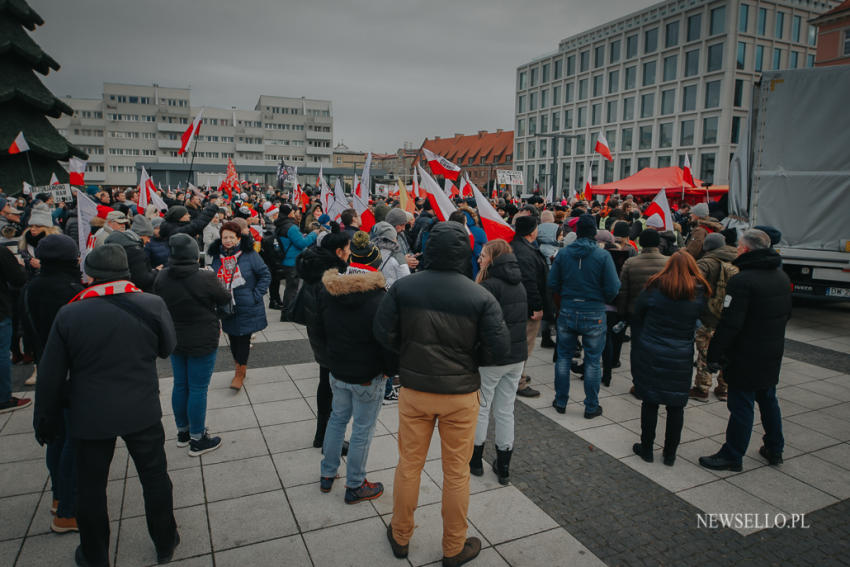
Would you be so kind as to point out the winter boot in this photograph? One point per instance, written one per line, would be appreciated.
(321, 426)
(239, 377)
(476, 467)
(502, 464)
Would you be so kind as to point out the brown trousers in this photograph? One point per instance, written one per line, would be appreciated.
(702, 380)
(456, 416)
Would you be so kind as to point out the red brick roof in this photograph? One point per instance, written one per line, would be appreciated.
(843, 7)
(493, 146)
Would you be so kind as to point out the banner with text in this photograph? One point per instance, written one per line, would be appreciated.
(60, 191)
(509, 177)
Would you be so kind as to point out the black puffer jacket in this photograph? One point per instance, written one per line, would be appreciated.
(55, 285)
(440, 322)
(193, 228)
(662, 357)
(193, 313)
(535, 274)
(750, 338)
(311, 265)
(141, 273)
(504, 281)
(346, 303)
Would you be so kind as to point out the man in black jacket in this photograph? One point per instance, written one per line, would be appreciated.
(442, 325)
(12, 274)
(535, 273)
(748, 344)
(100, 360)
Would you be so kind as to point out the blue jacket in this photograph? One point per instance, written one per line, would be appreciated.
(585, 277)
(157, 251)
(250, 309)
(479, 238)
(293, 242)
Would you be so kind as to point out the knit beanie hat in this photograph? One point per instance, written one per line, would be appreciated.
(243, 224)
(713, 241)
(57, 247)
(525, 225)
(396, 217)
(176, 213)
(700, 210)
(363, 251)
(586, 227)
(156, 221)
(183, 248)
(40, 215)
(655, 221)
(107, 262)
(284, 211)
(731, 236)
(649, 238)
(604, 236)
(621, 229)
(142, 226)
(773, 233)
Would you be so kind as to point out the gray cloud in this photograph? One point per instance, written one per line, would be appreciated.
(396, 70)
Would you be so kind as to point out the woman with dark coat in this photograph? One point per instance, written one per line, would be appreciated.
(500, 374)
(662, 356)
(247, 278)
(191, 295)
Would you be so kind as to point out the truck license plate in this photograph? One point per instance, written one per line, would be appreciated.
(838, 292)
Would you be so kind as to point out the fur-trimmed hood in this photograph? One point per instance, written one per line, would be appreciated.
(339, 285)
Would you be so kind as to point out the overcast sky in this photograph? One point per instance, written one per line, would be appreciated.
(395, 70)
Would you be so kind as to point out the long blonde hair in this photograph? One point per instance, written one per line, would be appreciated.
(494, 249)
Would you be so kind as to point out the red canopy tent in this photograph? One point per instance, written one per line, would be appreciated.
(649, 181)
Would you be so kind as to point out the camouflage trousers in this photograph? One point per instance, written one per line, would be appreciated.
(702, 380)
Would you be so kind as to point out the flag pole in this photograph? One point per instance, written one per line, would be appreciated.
(192, 161)
(29, 163)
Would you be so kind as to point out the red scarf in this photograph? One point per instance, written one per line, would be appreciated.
(228, 273)
(111, 288)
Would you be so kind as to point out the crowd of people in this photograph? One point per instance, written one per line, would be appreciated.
(426, 314)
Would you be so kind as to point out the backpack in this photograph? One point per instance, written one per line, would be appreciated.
(272, 251)
(715, 303)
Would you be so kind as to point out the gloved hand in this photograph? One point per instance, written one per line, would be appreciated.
(47, 430)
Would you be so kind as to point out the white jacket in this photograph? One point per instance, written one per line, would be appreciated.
(390, 267)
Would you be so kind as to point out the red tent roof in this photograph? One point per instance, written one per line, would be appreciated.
(648, 181)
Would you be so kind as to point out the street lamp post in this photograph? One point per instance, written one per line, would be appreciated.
(555, 138)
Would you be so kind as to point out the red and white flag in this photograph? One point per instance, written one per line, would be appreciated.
(53, 179)
(441, 166)
(231, 180)
(418, 191)
(339, 203)
(494, 226)
(86, 211)
(440, 203)
(148, 194)
(361, 196)
(603, 148)
(465, 188)
(19, 144)
(325, 195)
(77, 169)
(687, 175)
(450, 190)
(588, 193)
(661, 209)
(190, 133)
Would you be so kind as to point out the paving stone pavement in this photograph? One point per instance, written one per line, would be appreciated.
(579, 497)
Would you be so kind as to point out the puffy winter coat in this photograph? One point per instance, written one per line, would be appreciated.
(195, 320)
(54, 286)
(250, 310)
(662, 354)
(547, 239)
(141, 273)
(346, 304)
(584, 275)
(157, 252)
(440, 322)
(292, 241)
(504, 281)
(710, 265)
(311, 265)
(703, 228)
(635, 273)
(750, 338)
(535, 271)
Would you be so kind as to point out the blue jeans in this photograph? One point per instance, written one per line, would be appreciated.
(189, 397)
(591, 326)
(61, 462)
(740, 427)
(362, 403)
(5, 361)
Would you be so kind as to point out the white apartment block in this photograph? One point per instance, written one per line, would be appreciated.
(672, 79)
(140, 123)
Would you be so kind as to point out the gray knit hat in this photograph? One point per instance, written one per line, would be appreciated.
(713, 241)
(396, 217)
(142, 226)
(107, 262)
(700, 210)
(40, 215)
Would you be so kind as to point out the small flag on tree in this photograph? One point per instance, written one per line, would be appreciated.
(19, 145)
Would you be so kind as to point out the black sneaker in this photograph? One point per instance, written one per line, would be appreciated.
(559, 409)
(366, 491)
(528, 392)
(203, 445)
(770, 457)
(326, 483)
(167, 555)
(183, 438)
(592, 414)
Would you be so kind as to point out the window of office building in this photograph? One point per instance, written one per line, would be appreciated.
(608, 172)
(743, 18)
(718, 20)
(742, 55)
(629, 108)
(556, 95)
(779, 29)
(597, 85)
(671, 67)
(559, 68)
(611, 113)
(706, 170)
(712, 94)
(534, 77)
(544, 96)
(650, 40)
(520, 127)
(647, 105)
(649, 73)
(613, 81)
(568, 119)
(759, 57)
(544, 124)
(671, 34)
(571, 65)
(709, 130)
(579, 177)
(692, 63)
(739, 93)
(520, 150)
(626, 139)
(761, 23)
(565, 175)
(642, 163)
(532, 101)
(611, 135)
(810, 60)
(645, 138)
(532, 149)
(686, 133)
(694, 27)
(595, 114)
(599, 56)
(625, 168)
(614, 51)
(664, 161)
(584, 61)
(796, 22)
(545, 73)
(813, 35)
(582, 89)
(665, 135)
(736, 129)
(793, 60)
(520, 104)
(689, 98)
(631, 46)
(581, 120)
(532, 126)
(568, 92)
(580, 145)
(777, 58)
(556, 121)
(568, 146)
(668, 101)
(544, 144)
(715, 57)
(631, 77)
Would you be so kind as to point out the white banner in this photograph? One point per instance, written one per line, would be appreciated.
(60, 191)
(509, 177)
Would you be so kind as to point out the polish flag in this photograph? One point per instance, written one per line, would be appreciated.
(440, 203)
(361, 196)
(339, 202)
(550, 195)
(190, 133)
(53, 179)
(495, 194)
(686, 172)
(77, 169)
(661, 209)
(450, 190)
(19, 145)
(465, 188)
(325, 195)
(86, 211)
(603, 148)
(588, 194)
(148, 194)
(441, 166)
(418, 190)
(494, 226)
